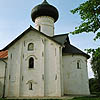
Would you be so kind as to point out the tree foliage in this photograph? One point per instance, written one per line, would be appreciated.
(93, 85)
(95, 62)
(89, 12)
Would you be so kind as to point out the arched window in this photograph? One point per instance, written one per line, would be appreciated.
(30, 47)
(78, 64)
(31, 63)
(30, 85)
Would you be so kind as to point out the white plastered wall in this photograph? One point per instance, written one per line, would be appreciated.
(2, 70)
(2, 75)
(52, 68)
(13, 70)
(75, 80)
(19, 74)
(35, 74)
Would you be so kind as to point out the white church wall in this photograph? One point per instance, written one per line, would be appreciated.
(34, 75)
(13, 70)
(75, 79)
(2, 75)
(19, 75)
(2, 70)
(52, 69)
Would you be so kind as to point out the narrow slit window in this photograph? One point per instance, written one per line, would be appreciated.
(78, 65)
(31, 62)
(39, 28)
(30, 47)
(11, 56)
(30, 85)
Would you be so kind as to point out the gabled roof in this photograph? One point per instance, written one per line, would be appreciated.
(3, 54)
(25, 32)
(68, 48)
(62, 39)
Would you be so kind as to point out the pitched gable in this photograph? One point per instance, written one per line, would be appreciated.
(25, 32)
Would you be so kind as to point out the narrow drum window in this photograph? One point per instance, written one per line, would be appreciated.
(30, 47)
(78, 65)
(31, 63)
(30, 85)
(40, 28)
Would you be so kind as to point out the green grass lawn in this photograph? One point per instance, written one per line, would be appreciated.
(86, 98)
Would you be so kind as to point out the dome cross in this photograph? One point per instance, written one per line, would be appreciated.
(45, 0)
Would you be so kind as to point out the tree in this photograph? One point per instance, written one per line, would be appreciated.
(89, 12)
(95, 62)
(90, 15)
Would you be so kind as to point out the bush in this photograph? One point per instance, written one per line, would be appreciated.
(93, 85)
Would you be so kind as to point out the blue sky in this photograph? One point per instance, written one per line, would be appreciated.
(15, 17)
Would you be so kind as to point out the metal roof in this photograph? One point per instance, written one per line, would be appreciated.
(44, 9)
(68, 48)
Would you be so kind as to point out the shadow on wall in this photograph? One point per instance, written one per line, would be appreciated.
(1, 89)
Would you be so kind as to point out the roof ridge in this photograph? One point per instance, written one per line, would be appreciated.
(61, 34)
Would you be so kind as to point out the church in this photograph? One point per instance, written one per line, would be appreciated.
(38, 63)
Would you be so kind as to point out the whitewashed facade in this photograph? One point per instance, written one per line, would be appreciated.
(37, 65)
(75, 76)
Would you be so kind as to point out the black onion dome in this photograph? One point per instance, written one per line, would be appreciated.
(44, 9)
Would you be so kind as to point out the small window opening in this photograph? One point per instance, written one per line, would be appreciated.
(9, 77)
(31, 63)
(78, 65)
(30, 47)
(11, 56)
(30, 85)
(24, 43)
(39, 28)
